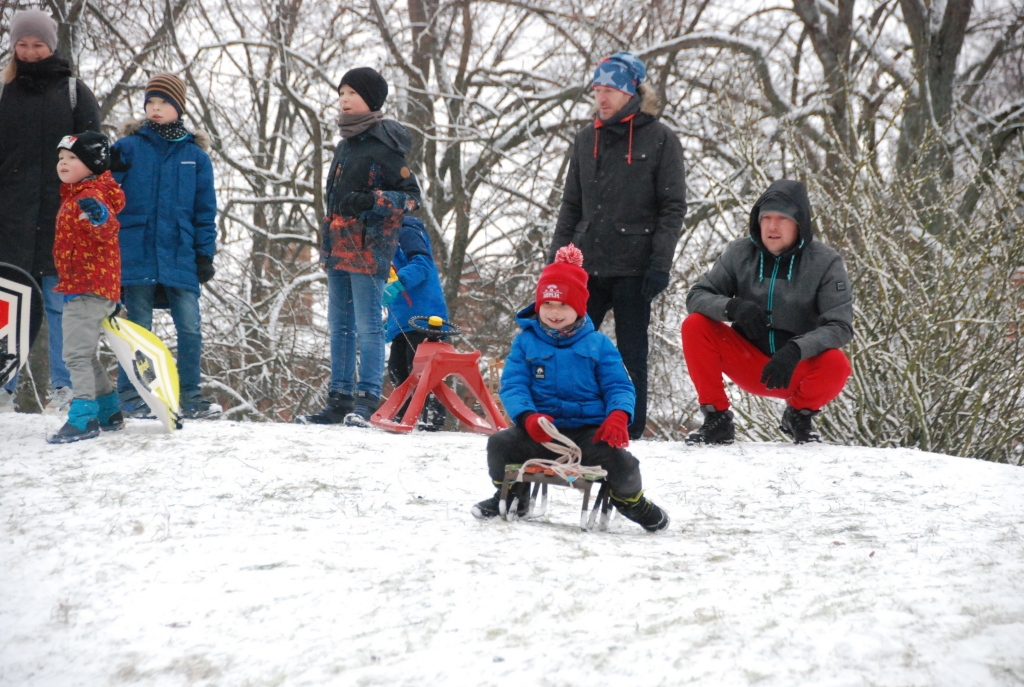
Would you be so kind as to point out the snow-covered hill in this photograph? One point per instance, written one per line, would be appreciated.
(257, 554)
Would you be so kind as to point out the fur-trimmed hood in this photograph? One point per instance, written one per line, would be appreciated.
(649, 101)
(133, 126)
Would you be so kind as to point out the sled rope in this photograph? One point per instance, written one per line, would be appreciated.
(568, 465)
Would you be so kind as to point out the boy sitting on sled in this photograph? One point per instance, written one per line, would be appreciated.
(562, 369)
(88, 264)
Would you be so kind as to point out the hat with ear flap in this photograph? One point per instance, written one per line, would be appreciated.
(565, 281)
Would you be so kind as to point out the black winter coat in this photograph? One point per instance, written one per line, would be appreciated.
(35, 114)
(625, 196)
(805, 293)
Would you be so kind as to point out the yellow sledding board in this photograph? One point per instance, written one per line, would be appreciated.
(149, 366)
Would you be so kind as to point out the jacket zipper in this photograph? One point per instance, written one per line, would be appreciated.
(771, 295)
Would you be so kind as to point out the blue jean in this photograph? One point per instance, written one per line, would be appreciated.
(185, 313)
(53, 304)
(354, 310)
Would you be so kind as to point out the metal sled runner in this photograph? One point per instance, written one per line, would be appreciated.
(565, 471)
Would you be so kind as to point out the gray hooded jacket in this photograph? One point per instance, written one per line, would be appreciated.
(804, 292)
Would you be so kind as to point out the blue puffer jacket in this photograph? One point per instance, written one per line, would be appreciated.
(578, 381)
(171, 211)
(414, 264)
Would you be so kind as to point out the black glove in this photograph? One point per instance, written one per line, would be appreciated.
(779, 371)
(654, 283)
(116, 163)
(204, 268)
(752, 320)
(356, 203)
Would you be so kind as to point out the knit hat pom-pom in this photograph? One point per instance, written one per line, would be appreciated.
(570, 254)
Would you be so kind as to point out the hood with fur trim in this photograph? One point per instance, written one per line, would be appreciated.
(133, 126)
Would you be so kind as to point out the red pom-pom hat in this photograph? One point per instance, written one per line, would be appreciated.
(565, 281)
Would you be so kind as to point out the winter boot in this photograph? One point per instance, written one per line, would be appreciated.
(338, 406)
(490, 508)
(718, 428)
(366, 406)
(109, 413)
(82, 423)
(642, 511)
(6, 401)
(134, 407)
(799, 424)
(198, 408)
(433, 416)
(60, 401)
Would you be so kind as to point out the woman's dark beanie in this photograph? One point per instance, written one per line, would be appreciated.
(369, 84)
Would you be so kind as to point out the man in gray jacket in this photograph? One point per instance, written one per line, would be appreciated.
(791, 308)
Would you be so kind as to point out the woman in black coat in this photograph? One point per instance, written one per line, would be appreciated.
(40, 103)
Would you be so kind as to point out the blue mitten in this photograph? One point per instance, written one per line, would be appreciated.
(392, 290)
(93, 210)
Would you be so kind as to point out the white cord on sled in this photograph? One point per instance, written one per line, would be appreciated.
(568, 465)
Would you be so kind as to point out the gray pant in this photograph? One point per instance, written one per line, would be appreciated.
(83, 322)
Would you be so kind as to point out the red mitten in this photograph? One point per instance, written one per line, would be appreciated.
(532, 427)
(614, 431)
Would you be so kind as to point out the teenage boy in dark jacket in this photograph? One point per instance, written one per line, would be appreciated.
(168, 234)
(369, 189)
(623, 206)
(791, 308)
(562, 369)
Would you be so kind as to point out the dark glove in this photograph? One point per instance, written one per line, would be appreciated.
(93, 210)
(204, 268)
(779, 371)
(614, 431)
(116, 163)
(532, 427)
(357, 202)
(752, 320)
(654, 283)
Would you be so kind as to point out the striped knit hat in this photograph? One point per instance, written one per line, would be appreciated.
(169, 87)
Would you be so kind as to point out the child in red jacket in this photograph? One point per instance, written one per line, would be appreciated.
(88, 261)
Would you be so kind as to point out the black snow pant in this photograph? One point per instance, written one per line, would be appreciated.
(403, 351)
(632, 319)
(514, 445)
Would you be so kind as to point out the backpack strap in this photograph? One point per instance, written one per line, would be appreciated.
(73, 92)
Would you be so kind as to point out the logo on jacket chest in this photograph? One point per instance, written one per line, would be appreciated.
(539, 372)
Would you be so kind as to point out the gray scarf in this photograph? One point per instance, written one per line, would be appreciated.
(354, 124)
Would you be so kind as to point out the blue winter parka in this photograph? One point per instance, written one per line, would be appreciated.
(171, 211)
(578, 381)
(414, 264)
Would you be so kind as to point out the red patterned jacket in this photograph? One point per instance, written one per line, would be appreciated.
(87, 256)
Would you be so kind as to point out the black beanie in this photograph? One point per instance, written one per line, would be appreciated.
(91, 147)
(369, 84)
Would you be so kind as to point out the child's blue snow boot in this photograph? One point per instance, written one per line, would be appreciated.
(109, 413)
(82, 423)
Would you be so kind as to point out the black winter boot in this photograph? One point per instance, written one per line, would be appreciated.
(642, 511)
(718, 428)
(799, 424)
(489, 508)
(338, 406)
(366, 406)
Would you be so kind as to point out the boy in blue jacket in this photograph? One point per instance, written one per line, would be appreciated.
(416, 292)
(562, 369)
(168, 234)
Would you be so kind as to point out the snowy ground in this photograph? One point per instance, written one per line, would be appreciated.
(257, 554)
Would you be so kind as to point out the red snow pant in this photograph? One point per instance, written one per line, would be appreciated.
(713, 348)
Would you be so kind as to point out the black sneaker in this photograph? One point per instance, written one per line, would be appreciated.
(137, 409)
(489, 508)
(366, 406)
(338, 406)
(718, 428)
(69, 433)
(642, 511)
(799, 424)
(198, 408)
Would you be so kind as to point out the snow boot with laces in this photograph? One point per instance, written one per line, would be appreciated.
(338, 406)
(718, 428)
(642, 511)
(799, 424)
(490, 508)
(366, 406)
